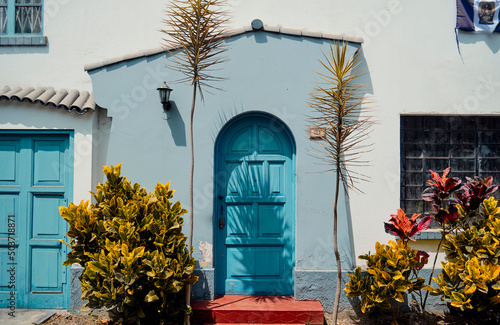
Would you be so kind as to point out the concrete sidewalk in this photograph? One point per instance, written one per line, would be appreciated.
(26, 316)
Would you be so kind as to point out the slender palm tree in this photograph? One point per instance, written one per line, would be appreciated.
(341, 112)
(196, 33)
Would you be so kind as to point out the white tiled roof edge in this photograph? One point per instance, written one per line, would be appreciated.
(234, 32)
(71, 100)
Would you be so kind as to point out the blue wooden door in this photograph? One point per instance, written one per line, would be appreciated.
(255, 208)
(35, 179)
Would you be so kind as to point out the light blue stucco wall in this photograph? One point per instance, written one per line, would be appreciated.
(266, 72)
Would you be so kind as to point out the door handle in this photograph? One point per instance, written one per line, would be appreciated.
(221, 223)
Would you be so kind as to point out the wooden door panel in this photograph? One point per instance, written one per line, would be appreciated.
(47, 223)
(239, 221)
(241, 141)
(255, 262)
(48, 163)
(271, 220)
(236, 179)
(45, 273)
(276, 178)
(255, 182)
(268, 143)
(9, 158)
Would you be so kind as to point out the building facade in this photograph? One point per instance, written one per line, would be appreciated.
(79, 90)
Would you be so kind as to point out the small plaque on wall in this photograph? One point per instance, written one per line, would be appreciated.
(317, 133)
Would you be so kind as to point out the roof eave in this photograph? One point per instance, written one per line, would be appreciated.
(232, 33)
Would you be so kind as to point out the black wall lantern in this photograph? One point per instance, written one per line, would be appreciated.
(164, 92)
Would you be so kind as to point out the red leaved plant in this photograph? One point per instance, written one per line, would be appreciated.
(447, 216)
(422, 257)
(473, 193)
(465, 203)
(440, 188)
(406, 228)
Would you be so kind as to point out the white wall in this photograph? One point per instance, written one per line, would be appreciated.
(21, 116)
(80, 32)
(415, 68)
(410, 49)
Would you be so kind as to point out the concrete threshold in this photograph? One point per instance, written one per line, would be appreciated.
(26, 316)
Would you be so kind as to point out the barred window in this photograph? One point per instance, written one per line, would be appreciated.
(469, 145)
(28, 17)
(3, 16)
(21, 23)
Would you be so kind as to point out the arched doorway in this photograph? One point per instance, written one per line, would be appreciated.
(255, 208)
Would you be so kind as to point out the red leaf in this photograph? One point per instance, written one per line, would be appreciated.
(424, 224)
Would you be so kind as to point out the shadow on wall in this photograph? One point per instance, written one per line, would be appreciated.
(20, 49)
(365, 78)
(177, 125)
(100, 145)
(491, 40)
(203, 288)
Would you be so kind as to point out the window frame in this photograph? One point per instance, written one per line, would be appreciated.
(420, 143)
(5, 6)
(11, 38)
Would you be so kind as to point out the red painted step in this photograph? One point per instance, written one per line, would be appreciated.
(238, 309)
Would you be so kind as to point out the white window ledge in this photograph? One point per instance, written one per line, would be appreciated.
(429, 234)
(23, 41)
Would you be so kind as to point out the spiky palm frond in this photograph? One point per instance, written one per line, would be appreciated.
(196, 28)
(341, 109)
(196, 41)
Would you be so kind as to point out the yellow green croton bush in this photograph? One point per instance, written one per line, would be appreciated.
(131, 246)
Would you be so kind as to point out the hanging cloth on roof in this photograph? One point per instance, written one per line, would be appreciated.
(478, 16)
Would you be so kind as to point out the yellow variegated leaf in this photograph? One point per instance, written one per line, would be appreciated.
(397, 276)
(496, 299)
(458, 296)
(482, 287)
(151, 296)
(386, 275)
(402, 288)
(399, 297)
(470, 289)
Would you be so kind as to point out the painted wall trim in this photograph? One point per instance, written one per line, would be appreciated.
(232, 33)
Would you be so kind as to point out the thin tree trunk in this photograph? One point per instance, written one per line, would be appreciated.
(432, 272)
(191, 212)
(336, 250)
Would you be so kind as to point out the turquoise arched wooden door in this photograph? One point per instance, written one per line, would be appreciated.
(255, 209)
